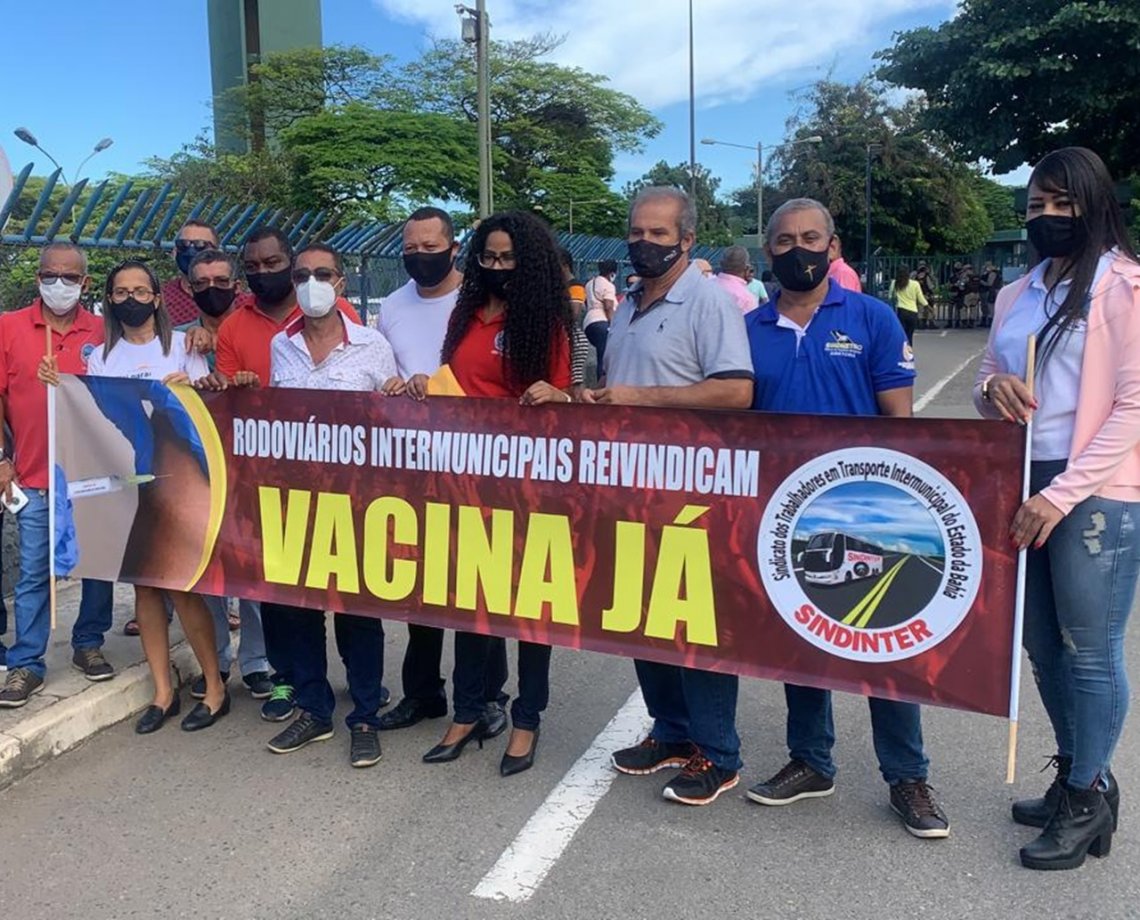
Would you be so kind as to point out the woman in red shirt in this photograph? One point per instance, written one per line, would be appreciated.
(509, 337)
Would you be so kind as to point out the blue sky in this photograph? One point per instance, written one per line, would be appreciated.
(138, 70)
(879, 513)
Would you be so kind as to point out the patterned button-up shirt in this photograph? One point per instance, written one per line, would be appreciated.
(363, 361)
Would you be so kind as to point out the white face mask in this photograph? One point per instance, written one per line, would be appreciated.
(59, 296)
(316, 298)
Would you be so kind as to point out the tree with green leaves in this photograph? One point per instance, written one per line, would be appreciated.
(1008, 82)
(360, 161)
(923, 200)
(554, 129)
(714, 217)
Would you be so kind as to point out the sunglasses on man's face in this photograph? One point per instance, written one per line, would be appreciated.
(53, 277)
(301, 275)
(197, 245)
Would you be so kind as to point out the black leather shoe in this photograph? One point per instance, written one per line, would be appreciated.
(495, 717)
(443, 753)
(201, 717)
(409, 712)
(1037, 812)
(1081, 825)
(153, 717)
(509, 765)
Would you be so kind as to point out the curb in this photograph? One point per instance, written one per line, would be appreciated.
(58, 728)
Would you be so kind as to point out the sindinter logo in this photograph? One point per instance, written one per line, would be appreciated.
(870, 554)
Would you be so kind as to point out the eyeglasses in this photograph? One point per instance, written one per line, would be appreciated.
(197, 245)
(141, 294)
(223, 284)
(53, 277)
(301, 275)
(491, 259)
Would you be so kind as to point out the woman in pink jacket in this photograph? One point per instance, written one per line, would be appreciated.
(1082, 521)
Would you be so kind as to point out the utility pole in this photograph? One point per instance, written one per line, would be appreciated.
(867, 258)
(486, 192)
(692, 114)
(477, 32)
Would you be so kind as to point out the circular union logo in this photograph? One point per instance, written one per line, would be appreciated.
(870, 554)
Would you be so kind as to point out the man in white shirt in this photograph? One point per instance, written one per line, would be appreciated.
(414, 319)
(320, 350)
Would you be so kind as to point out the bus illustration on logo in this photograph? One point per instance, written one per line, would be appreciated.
(833, 558)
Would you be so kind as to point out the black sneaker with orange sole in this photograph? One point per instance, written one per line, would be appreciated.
(652, 755)
(700, 782)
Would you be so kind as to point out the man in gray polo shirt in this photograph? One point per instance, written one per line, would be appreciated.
(678, 340)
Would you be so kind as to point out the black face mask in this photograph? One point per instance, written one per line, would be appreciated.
(800, 269)
(215, 301)
(652, 260)
(428, 269)
(132, 313)
(271, 287)
(1056, 236)
(496, 281)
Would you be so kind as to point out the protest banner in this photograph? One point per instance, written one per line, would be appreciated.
(862, 554)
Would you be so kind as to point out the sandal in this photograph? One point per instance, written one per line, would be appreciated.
(131, 628)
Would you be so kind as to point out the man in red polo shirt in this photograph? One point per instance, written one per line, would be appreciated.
(242, 359)
(242, 353)
(55, 331)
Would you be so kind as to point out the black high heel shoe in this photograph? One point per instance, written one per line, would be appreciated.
(154, 717)
(444, 753)
(202, 717)
(509, 765)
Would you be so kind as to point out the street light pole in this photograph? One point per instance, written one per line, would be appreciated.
(28, 138)
(871, 149)
(483, 61)
(814, 139)
(692, 114)
(477, 32)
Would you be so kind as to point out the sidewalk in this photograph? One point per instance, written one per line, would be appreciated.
(71, 709)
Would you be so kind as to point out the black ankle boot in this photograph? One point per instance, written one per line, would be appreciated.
(1037, 812)
(1082, 824)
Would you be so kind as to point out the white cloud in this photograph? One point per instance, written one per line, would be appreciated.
(642, 45)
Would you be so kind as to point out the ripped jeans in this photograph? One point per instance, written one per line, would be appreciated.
(1079, 592)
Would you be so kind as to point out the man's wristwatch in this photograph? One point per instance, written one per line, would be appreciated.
(986, 387)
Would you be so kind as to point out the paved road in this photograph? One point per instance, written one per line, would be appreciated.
(215, 826)
(905, 586)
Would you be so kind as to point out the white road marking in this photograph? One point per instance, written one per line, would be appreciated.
(929, 396)
(943, 333)
(538, 846)
(931, 564)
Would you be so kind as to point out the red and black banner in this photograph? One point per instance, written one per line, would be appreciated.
(861, 554)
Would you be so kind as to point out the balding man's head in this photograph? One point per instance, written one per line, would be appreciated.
(735, 261)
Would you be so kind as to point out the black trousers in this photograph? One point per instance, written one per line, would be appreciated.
(421, 677)
(909, 319)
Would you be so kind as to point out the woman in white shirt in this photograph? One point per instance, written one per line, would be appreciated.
(140, 344)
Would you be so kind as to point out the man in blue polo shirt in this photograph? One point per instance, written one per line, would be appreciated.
(819, 348)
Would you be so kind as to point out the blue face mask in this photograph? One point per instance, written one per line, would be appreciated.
(184, 258)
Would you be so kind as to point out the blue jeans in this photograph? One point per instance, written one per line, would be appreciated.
(1078, 594)
(251, 650)
(896, 729)
(691, 705)
(32, 610)
(360, 642)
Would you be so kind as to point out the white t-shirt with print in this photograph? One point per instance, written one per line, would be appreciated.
(147, 362)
